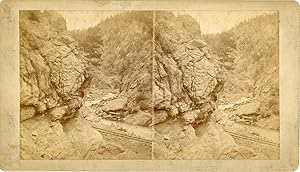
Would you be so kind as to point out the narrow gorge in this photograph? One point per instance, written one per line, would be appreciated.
(145, 85)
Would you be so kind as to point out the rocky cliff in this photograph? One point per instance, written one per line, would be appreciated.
(185, 76)
(186, 82)
(180, 74)
(152, 69)
(165, 77)
(52, 81)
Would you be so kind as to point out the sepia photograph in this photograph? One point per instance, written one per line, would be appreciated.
(149, 85)
(92, 85)
(216, 85)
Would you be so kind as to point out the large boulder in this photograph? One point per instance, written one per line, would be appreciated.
(174, 140)
(118, 104)
(51, 75)
(185, 76)
(185, 86)
(139, 118)
(42, 138)
(52, 80)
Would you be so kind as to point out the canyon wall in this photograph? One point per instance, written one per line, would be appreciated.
(52, 80)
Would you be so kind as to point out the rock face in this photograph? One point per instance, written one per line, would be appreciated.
(185, 77)
(185, 86)
(178, 77)
(52, 80)
(146, 71)
(52, 75)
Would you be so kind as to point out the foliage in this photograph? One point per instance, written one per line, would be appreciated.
(114, 29)
(33, 15)
(222, 45)
(254, 38)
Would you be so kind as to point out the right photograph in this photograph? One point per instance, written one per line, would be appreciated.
(215, 85)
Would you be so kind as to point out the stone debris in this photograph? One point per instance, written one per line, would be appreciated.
(247, 113)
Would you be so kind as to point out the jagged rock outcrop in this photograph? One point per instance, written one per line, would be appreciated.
(147, 71)
(52, 83)
(182, 76)
(52, 74)
(185, 86)
(185, 77)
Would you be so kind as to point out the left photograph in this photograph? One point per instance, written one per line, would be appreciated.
(85, 85)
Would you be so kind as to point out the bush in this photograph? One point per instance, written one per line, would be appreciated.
(222, 45)
(33, 15)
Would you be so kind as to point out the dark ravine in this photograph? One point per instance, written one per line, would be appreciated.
(119, 51)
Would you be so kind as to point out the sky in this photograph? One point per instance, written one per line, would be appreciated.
(210, 21)
(219, 21)
(84, 19)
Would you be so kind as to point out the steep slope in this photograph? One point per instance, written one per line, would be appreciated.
(260, 48)
(52, 82)
(119, 50)
(249, 54)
